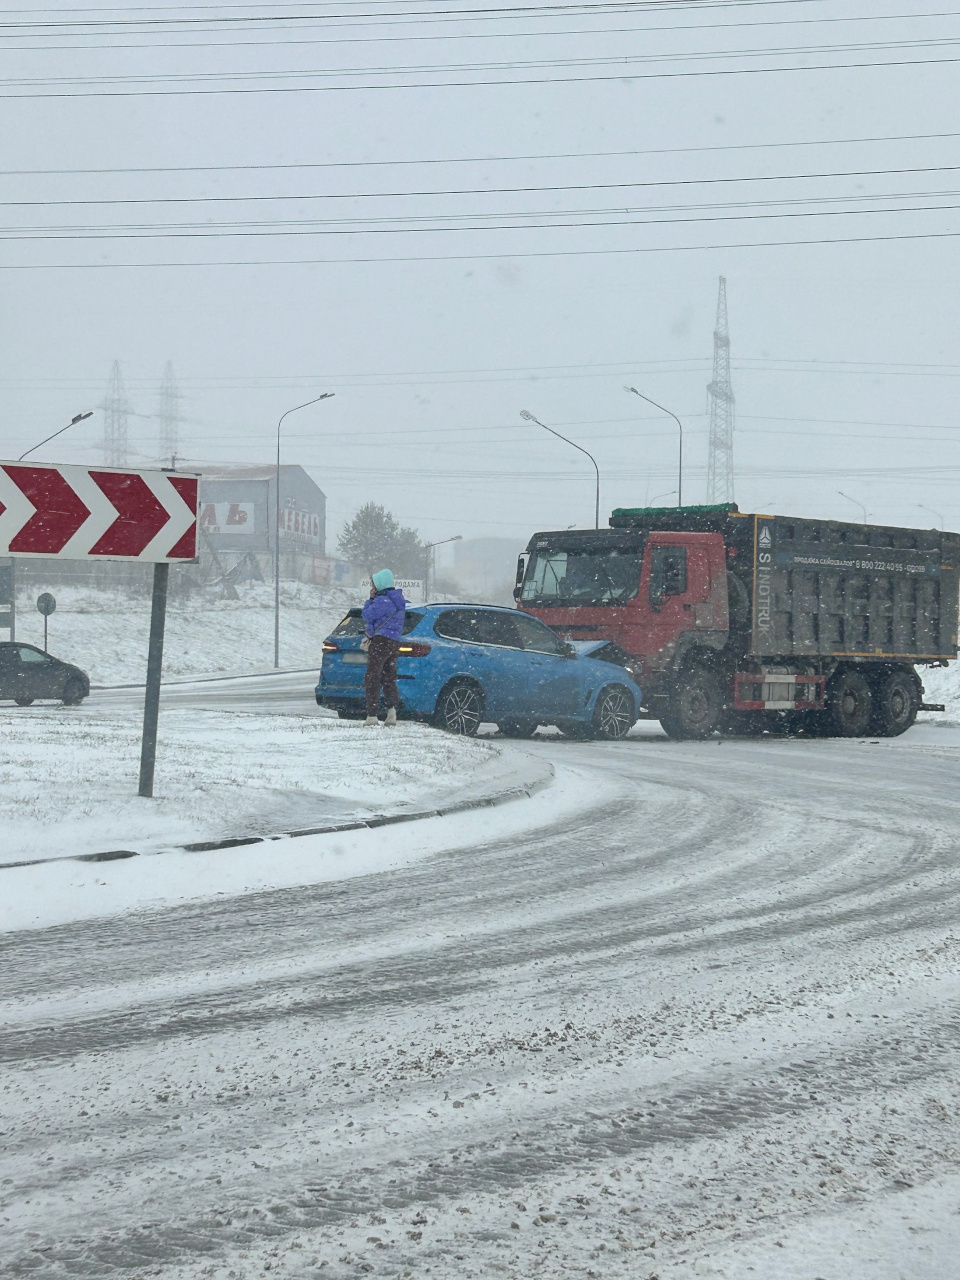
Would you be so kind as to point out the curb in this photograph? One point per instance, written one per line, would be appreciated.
(245, 675)
(357, 824)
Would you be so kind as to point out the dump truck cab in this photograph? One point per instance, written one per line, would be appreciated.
(654, 593)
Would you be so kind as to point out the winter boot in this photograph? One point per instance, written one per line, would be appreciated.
(391, 720)
(371, 722)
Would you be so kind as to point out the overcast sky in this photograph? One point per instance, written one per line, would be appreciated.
(436, 318)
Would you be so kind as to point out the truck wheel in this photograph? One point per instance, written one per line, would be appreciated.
(695, 705)
(850, 705)
(896, 702)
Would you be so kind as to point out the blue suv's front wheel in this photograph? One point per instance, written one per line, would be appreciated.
(460, 708)
(613, 715)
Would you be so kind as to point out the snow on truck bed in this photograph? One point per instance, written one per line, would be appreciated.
(68, 776)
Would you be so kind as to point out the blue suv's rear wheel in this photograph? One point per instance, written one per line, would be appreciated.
(460, 708)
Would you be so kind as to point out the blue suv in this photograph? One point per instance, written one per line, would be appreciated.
(461, 665)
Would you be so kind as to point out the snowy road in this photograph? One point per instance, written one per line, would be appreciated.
(709, 1026)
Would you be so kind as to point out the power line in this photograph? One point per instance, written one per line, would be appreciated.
(456, 14)
(254, 230)
(653, 5)
(482, 67)
(558, 155)
(485, 191)
(470, 84)
(259, 42)
(482, 257)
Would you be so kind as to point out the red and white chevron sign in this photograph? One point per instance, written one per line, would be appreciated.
(97, 513)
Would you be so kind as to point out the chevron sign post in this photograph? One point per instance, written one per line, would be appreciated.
(97, 513)
(102, 513)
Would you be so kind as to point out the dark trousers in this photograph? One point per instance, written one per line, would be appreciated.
(381, 670)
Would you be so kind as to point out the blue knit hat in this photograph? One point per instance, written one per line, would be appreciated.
(383, 580)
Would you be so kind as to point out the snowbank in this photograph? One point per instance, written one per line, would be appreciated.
(39, 897)
(105, 632)
(68, 776)
(942, 684)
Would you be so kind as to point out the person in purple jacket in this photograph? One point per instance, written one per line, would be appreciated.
(383, 616)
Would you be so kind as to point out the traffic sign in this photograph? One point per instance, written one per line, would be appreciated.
(46, 604)
(97, 513)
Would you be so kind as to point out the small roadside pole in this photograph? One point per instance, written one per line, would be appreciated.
(46, 604)
(104, 513)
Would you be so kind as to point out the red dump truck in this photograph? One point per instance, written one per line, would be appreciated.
(741, 623)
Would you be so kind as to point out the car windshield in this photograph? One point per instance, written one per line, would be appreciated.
(575, 577)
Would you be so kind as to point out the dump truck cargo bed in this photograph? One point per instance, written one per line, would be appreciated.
(825, 588)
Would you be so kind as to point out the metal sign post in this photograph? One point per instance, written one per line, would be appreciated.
(105, 513)
(151, 701)
(8, 597)
(46, 604)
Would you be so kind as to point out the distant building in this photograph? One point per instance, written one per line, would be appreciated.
(486, 568)
(238, 506)
(238, 517)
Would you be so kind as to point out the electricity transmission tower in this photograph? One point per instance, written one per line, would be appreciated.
(169, 415)
(720, 462)
(116, 411)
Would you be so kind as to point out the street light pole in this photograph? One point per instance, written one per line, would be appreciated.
(856, 504)
(79, 417)
(428, 547)
(276, 530)
(663, 409)
(528, 417)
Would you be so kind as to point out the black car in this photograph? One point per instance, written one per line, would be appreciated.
(27, 673)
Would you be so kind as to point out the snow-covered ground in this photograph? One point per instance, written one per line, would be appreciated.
(106, 632)
(68, 775)
(699, 1019)
(42, 896)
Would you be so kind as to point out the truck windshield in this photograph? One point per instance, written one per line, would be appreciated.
(575, 577)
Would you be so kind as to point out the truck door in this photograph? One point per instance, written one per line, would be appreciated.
(682, 588)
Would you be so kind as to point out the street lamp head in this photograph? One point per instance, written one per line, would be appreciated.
(528, 416)
(633, 389)
(80, 417)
